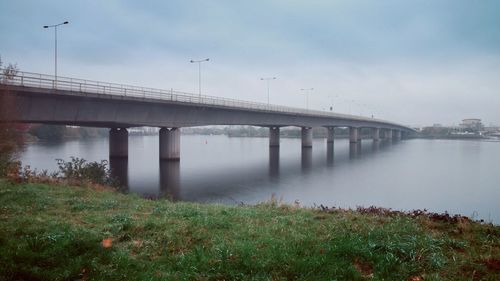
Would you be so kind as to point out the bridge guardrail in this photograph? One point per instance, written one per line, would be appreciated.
(75, 85)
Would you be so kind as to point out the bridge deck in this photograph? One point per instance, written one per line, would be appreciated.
(40, 92)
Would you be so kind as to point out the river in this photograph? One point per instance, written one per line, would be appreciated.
(461, 177)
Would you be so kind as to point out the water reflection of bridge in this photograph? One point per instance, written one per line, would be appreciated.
(170, 183)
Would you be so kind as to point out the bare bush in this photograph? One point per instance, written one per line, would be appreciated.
(11, 138)
(80, 170)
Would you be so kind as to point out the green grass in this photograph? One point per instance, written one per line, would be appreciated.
(56, 233)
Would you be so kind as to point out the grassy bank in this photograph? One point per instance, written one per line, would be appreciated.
(67, 233)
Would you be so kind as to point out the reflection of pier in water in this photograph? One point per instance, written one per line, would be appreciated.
(354, 150)
(274, 162)
(329, 154)
(306, 159)
(258, 176)
(357, 151)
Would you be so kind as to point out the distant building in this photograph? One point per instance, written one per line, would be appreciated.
(471, 124)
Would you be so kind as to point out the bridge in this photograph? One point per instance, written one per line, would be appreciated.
(48, 99)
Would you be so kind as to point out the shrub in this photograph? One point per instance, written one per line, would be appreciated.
(80, 170)
(11, 139)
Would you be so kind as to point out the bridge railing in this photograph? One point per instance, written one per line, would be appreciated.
(85, 87)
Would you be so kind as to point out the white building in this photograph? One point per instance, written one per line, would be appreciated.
(471, 124)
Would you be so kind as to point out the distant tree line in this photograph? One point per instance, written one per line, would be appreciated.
(437, 132)
(252, 131)
(60, 132)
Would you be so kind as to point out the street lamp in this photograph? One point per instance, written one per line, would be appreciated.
(267, 79)
(307, 96)
(55, 44)
(199, 72)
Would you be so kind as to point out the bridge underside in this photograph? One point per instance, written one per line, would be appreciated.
(65, 108)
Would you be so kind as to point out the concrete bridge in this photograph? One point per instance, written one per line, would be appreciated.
(69, 101)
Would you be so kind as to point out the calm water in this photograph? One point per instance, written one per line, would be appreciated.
(439, 175)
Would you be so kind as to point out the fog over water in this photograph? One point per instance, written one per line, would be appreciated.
(438, 175)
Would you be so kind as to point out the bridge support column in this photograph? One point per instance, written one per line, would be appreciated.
(388, 134)
(274, 136)
(404, 135)
(330, 135)
(376, 134)
(170, 144)
(307, 136)
(118, 142)
(397, 135)
(353, 135)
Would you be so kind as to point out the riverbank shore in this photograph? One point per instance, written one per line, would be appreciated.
(55, 232)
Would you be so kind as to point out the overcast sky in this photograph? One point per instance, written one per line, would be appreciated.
(412, 62)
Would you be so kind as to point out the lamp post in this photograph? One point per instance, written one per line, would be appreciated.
(55, 44)
(199, 72)
(307, 96)
(267, 79)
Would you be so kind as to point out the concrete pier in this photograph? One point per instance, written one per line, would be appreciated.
(353, 135)
(274, 136)
(170, 144)
(118, 142)
(397, 135)
(376, 134)
(307, 137)
(388, 134)
(330, 134)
